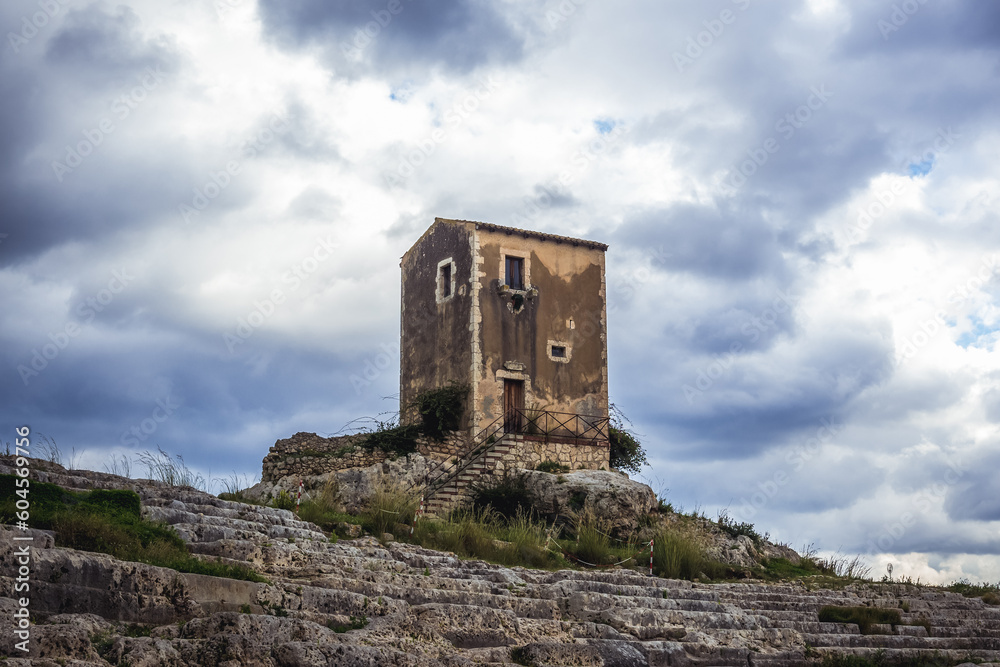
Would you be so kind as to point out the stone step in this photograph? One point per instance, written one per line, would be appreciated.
(891, 656)
(890, 641)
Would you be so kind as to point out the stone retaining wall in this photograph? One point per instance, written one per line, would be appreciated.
(306, 454)
(533, 450)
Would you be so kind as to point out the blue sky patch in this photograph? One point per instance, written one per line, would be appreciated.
(604, 126)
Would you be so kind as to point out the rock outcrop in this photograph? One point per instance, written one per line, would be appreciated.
(360, 602)
(611, 497)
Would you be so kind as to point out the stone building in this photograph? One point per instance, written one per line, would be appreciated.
(520, 317)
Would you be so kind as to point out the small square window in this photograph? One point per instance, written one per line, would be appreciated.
(559, 351)
(515, 272)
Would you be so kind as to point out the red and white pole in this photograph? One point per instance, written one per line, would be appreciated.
(651, 558)
(419, 512)
(298, 499)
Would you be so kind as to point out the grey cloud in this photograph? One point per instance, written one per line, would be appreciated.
(101, 46)
(714, 242)
(974, 489)
(455, 34)
(919, 26)
(315, 203)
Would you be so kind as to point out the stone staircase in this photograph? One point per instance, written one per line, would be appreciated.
(449, 485)
(455, 488)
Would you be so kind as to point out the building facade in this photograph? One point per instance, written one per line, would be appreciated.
(519, 316)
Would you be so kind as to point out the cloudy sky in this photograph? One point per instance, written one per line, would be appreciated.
(205, 203)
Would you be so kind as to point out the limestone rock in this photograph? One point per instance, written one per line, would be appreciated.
(615, 499)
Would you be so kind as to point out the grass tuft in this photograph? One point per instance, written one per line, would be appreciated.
(170, 471)
(678, 557)
(388, 506)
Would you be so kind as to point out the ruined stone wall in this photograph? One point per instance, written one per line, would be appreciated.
(526, 452)
(307, 454)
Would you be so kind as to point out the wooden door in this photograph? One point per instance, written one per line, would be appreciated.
(513, 405)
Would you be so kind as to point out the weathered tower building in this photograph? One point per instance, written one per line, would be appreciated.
(519, 316)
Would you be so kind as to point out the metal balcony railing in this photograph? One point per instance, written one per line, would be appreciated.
(565, 425)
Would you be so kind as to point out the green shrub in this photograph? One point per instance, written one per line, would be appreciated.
(552, 467)
(729, 526)
(864, 617)
(625, 450)
(391, 438)
(284, 501)
(505, 494)
(441, 409)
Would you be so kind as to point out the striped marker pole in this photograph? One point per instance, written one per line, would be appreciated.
(418, 513)
(651, 558)
(298, 499)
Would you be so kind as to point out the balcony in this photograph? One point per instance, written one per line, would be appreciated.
(557, 426)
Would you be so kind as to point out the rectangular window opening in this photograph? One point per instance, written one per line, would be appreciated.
(445, 281)
(515, 272)
(559, 351)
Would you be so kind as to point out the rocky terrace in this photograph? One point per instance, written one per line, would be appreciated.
(359, 602)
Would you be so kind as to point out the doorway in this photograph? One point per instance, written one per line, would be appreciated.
(513, 405)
